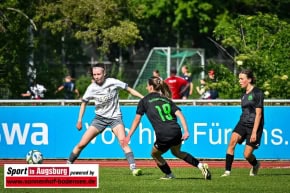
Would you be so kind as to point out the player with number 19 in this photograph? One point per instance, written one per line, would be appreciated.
(162, 112)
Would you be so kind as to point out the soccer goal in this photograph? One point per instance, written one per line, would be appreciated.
(163, 58)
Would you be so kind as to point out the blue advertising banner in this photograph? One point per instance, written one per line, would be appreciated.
(51, 129)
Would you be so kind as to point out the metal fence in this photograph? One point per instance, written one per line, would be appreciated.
(197, 102)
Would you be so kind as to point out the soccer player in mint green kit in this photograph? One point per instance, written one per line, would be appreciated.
(162, 112)
(250, 126)
(105, 93)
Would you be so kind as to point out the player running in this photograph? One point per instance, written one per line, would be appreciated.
(104, 92)
(162, 113)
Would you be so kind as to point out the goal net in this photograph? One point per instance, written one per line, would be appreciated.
(163, 58)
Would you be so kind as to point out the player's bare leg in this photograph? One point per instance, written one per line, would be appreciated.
(90, 133)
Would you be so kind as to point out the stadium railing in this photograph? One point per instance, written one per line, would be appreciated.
(128, 102)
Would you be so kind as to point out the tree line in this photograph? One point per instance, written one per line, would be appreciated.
(48, 39)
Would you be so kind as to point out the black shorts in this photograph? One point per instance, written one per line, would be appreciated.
(245, 132)
(164, 146)
(185, 93)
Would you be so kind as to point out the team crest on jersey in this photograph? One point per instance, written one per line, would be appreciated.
(250, 97)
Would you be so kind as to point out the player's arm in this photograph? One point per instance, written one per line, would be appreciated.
(27, 94)
(134, 125)
(134, 92)
(179, 114)
(256, 124)
(81, 114)
(133, 128)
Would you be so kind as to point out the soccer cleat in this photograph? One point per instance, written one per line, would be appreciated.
(137, 172)
(254, 170)
(168, 177)
(68, 162)
(227, 173)
(205, 172)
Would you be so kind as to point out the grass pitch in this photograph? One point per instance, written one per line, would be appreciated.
(120, 180)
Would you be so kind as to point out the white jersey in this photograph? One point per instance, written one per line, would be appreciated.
(106, 97)
(37, 91)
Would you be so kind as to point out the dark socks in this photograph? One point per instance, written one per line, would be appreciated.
(165, 168)
(72, 157)
(229, 162)
(191, 160)
(254, 162)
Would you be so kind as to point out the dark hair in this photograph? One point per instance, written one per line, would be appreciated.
(186, 67)
(249, 74)
(160, 86)
(157, 71)
(173, 70)
(100, 65)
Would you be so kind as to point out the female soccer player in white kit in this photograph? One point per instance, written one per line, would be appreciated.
(105, 93)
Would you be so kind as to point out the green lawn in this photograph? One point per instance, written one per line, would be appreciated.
(187, 180)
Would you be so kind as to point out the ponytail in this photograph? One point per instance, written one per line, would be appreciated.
(160, 86)
(165, 90)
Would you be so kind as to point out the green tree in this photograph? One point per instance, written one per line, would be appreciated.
(15, 47)
(177, 23)
(101, 22)
(261, 43)
(104, 25)
(108, 25)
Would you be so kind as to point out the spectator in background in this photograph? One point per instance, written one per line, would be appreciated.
(201, 88)
(211, 76)
(176, 84)
(69, 88)
(187, 76)
(212, 93)
(35, 91)
(156, 73)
